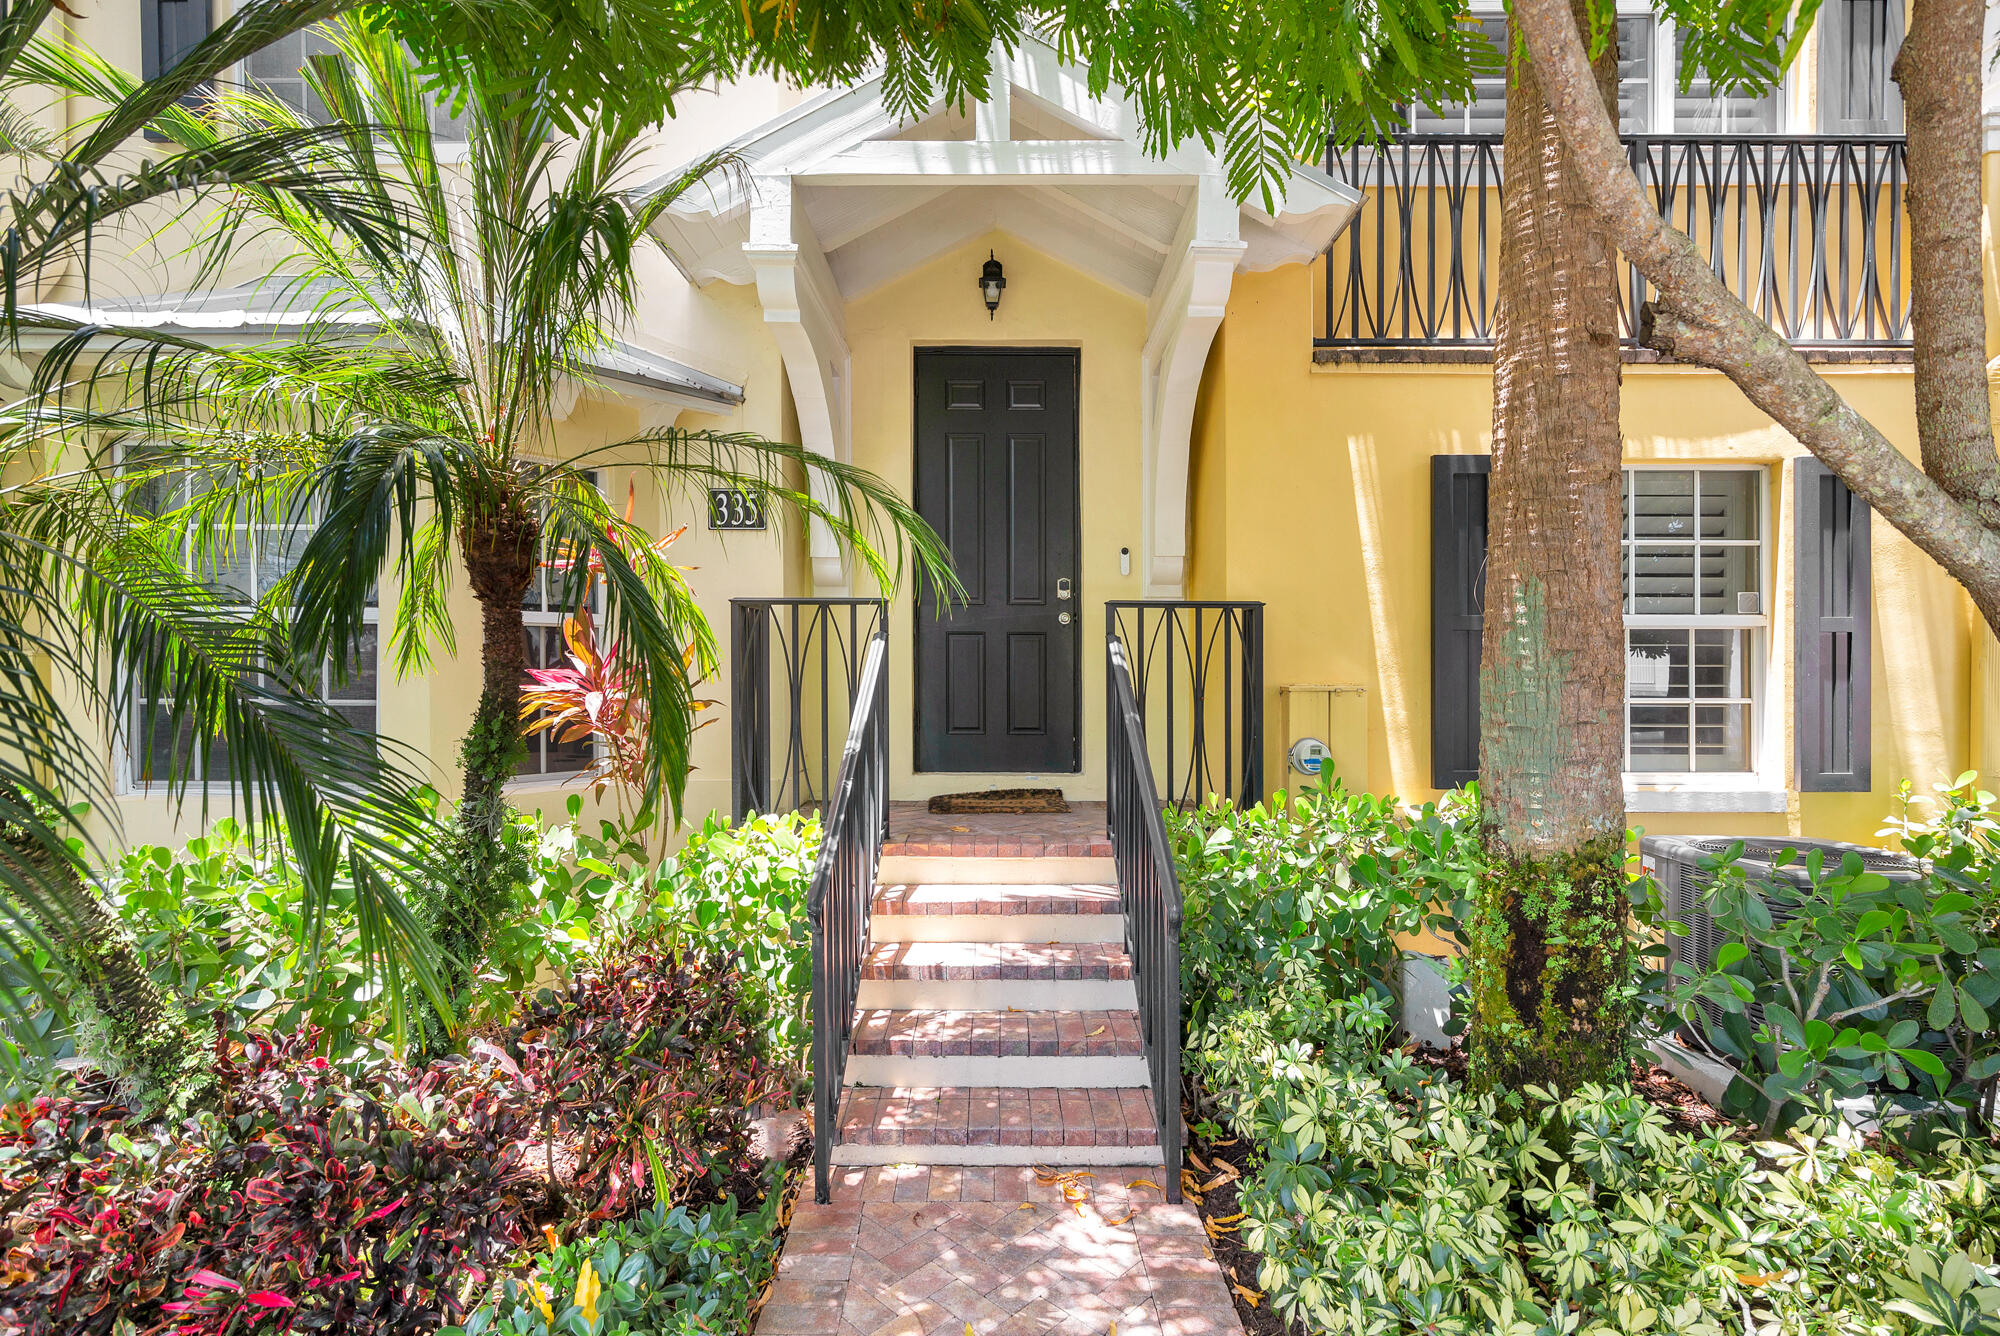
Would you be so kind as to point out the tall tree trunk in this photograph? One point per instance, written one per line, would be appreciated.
(501, 544)
(1938, 72)
(127, 1026)
(1698, 320)
(1549, 956)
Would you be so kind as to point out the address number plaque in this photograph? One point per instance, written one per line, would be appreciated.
(730, 508)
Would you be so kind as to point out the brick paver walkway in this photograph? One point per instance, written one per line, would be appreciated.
(908, 1250)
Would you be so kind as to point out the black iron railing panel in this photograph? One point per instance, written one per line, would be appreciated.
(842, 894)
(1806, 229)
(1197, 671)
(1149, 895)
(795, 671)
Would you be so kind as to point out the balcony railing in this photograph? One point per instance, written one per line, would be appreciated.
(1807, 230)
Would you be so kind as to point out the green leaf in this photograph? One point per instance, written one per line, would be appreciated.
(1944, 1005)
(1924, 1061)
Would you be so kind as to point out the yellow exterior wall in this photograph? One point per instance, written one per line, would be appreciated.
(1315, 498)
(1047, 305)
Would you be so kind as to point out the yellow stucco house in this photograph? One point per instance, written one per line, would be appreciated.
(1261, 425)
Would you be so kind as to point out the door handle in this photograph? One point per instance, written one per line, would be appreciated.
(1063, 588)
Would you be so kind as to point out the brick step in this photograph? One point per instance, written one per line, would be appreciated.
(997, 1047)
(910, 869)
(1041, 961)
(989, 898)
(947, 912)
(996, 976)
(996, 1125)
(997, 1034)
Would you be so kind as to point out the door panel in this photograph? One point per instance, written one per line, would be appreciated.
(996, 476)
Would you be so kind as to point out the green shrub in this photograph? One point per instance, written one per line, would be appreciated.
(666, 1273)
(1315, 886)
(746, 885)
(1385, 1198)
(221, 924)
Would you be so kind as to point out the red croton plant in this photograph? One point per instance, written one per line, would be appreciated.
(592, 697)
(305, 1205)
(384, 1200)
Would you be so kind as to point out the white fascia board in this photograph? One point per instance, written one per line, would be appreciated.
(893, 162)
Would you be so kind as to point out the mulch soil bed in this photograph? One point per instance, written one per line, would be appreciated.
(1212, 1172)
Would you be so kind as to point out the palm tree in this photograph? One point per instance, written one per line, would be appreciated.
(98, 597)
(434, 442)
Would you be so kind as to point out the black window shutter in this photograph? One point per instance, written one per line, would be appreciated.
(1458, 605)
(168, 30)
(1858, 41)
(1831, 605)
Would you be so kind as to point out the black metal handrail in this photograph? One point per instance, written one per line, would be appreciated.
(842, 895)
(782, 762)
(1149, 895)
(1197, 671)
(1806, 229)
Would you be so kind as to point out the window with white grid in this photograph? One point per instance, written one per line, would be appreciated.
(279, 70)
(1695, 618)
(245, 564)
(542, 616)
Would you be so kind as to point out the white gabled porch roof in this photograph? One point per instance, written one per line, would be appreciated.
(839, 196)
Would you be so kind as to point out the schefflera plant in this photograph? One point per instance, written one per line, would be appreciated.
(1387, 1197)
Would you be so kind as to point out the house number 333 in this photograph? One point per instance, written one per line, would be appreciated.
(729, 508)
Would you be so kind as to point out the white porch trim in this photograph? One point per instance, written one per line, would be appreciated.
(840, 197)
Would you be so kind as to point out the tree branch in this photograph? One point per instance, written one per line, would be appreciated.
(1699, 320)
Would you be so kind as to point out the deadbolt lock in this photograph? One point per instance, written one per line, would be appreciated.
(1063, 588)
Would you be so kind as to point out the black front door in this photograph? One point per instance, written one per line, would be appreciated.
(996, 477)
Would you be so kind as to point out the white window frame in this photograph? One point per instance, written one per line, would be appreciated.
(1664, 77)
(449, 149)
(543, 618)
(1761, 787)
(129, 746)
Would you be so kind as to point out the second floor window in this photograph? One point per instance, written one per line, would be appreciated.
(279, 70)
(1857, 41)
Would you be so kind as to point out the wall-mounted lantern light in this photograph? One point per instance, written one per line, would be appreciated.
(991, 280)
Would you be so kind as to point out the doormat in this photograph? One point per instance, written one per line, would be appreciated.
(1000, 800)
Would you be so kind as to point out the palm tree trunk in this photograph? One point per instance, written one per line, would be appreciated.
(1938, 71)
(501, 543)
(126, 1025)
(1550, 963)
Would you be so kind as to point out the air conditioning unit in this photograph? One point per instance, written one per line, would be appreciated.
(1675, 864)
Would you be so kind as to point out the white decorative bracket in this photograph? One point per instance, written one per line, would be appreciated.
(803, 308)
(1186, 310)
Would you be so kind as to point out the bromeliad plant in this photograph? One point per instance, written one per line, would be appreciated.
(596, 698)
